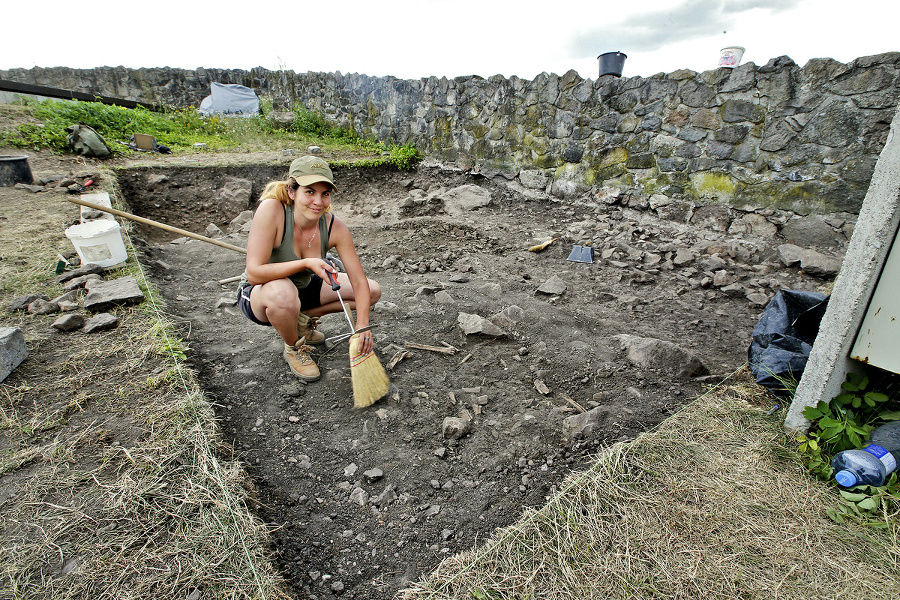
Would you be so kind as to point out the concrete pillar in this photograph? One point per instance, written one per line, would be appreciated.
(829, 361)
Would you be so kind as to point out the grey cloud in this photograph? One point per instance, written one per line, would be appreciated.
(651, 31)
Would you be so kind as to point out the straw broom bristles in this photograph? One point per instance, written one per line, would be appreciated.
(370, 382)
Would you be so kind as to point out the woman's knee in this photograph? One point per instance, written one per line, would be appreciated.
(280, 294)
(374, 292)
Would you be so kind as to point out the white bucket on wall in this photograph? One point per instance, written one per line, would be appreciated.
(731, 56)
(98, 242)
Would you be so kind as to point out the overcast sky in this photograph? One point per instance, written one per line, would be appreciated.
(418, 38)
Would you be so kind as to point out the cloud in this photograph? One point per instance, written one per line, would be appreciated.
(650, 31)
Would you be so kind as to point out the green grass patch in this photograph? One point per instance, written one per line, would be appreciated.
(180, 129)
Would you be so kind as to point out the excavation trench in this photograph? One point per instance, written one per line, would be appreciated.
(360, 502)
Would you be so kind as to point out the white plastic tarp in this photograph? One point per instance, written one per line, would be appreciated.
(230, 99)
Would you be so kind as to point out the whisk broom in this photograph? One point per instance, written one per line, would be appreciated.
(370, 382)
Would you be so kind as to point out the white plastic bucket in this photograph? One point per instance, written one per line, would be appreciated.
(98, 242)
(730, 57)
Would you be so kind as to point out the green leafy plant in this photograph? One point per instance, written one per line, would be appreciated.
(843, 424)
(404, 157)
(838, 427)
(864, 502)
(846, 421)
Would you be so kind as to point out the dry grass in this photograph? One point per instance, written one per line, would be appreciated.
(712, 504)
(113, 480)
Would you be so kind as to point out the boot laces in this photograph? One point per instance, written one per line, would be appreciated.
(301, 351)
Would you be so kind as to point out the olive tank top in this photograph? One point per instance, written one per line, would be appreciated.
(284, 251)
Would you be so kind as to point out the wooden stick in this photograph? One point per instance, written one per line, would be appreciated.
(131, 217)
(577, 406)
(441, 350)
(230, 279)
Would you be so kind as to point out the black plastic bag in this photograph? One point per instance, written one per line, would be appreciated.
(783, 338)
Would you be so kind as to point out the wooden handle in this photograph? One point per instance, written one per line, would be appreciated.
(131, 217)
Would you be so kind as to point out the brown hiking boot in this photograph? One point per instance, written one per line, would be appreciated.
(297, 357)
(306, 328)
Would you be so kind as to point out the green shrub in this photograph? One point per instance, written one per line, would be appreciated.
(845, 423)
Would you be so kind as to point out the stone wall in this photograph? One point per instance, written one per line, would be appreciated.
(776, 136)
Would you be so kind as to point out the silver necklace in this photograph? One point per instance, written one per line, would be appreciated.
(310, 241)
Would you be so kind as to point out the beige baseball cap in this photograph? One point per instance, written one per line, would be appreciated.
(308, 170)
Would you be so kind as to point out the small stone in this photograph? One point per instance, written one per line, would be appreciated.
(69, 322)
(43, 307)
(373, 475)
(553, 286)
(22, 302)
(76, 283)
(101, 322)
(385, 498)
(226, 301)
(12, 350)
(541, 387)
(455, 428)
(359, 496)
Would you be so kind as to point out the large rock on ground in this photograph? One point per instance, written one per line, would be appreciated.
(584, 425)
(465, 198)
(106, 294)
(12, 350)
(811, 262)
(650, 353)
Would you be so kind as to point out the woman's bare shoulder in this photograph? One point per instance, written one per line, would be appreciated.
(270, 206)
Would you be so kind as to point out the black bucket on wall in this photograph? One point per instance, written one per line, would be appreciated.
(611, 63)
(13, 170)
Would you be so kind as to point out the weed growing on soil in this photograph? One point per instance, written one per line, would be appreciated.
(845, 423)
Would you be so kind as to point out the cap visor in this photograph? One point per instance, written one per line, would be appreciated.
(307, 180)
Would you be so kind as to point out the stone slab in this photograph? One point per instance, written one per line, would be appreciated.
(12, 350)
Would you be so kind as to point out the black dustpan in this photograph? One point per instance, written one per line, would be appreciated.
(584, 254)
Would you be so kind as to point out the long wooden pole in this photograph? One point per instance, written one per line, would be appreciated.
(131, 217)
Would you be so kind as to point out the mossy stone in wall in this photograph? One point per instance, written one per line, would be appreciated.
(644, 160)
(714, 186)
(613, 172)
(613, 156)
(478, 131)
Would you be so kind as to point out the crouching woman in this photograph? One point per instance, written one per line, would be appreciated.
(286, 282)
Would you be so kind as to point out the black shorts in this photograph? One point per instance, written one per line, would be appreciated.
(310, 297)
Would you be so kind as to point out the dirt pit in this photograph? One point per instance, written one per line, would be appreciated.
(362, 501)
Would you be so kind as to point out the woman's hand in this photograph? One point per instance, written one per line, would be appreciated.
(322, 268)
(365, 343)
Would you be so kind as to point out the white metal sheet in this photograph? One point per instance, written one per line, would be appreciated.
(878, 340)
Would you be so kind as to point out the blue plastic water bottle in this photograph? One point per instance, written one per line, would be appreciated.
(870, 465)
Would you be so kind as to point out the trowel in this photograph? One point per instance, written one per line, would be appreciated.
(583, 254)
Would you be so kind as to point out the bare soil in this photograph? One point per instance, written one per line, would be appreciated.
(362, 501)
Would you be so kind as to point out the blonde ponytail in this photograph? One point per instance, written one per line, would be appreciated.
(279, 191)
